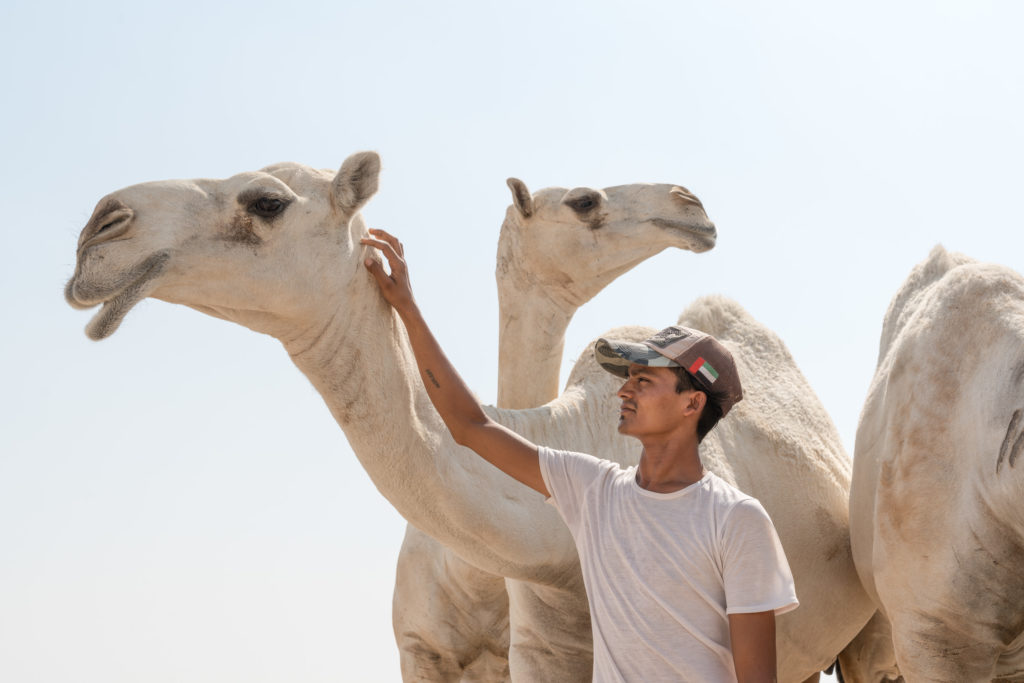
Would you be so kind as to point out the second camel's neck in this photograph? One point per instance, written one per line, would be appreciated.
(530, 345)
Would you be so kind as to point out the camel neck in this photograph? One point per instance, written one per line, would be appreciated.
(531, 340)
(361, 364)
(355, 358)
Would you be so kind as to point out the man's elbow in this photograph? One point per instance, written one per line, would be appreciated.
(468, 433)
(461, 437)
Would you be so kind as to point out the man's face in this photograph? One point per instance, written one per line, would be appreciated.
(651, 406)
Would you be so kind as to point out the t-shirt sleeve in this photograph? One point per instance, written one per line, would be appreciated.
(567, 476)
(756, 572)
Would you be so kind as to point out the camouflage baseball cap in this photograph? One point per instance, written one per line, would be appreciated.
(704, 357)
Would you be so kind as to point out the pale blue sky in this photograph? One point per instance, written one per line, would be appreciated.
(175, 502)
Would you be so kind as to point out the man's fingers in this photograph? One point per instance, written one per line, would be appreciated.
(390, 239)
(386, 248)
(377, 271)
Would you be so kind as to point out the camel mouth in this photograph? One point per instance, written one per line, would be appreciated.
(118, 300)
(705, 236)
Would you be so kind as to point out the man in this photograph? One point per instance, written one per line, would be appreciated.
(684, 573)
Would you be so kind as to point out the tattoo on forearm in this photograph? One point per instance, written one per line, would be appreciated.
(433, 379)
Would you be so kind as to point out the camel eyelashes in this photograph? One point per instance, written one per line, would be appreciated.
(267, 207)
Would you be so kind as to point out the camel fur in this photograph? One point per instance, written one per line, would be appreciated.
(936, 521)
(277, 251)
(557, 249)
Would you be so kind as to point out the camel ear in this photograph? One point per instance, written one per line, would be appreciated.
(521, 196)
(356, 181)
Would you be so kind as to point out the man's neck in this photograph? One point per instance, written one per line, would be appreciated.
(668, 466)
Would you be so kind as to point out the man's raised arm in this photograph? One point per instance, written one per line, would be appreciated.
(459, 409)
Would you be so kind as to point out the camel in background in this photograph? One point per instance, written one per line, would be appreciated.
(936, 518)
(556, 250)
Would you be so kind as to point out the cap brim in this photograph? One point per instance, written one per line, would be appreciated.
(616, 356)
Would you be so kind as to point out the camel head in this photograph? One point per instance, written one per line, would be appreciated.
(574, 242)
(255, 248)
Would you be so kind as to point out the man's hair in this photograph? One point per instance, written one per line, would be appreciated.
(712, 412)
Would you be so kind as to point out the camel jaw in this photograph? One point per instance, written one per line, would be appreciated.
(701, 237)
(115, 300)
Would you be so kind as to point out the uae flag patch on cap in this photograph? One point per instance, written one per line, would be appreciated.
(703, 368)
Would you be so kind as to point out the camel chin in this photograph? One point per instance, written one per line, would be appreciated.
(115, 304)
(700, 238)
(107, 320)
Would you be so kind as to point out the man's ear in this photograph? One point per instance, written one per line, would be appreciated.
(698, 400)
(356, 181)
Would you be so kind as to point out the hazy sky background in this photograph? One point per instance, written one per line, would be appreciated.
(176, 504)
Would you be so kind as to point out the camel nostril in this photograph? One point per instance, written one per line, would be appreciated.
(113, 225)
(687, 196)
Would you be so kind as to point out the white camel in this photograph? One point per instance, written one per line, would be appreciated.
(936, 518)
(276, 251)
(557, 249)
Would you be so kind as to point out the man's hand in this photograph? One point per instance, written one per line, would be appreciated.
(394, 287)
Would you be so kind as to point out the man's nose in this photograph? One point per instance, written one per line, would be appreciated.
(625, 390)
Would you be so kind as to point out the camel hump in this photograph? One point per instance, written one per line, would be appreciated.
(730, 323)
(935, 267)
(717, 315)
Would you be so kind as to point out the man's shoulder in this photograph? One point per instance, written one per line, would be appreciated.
(724, 491)
(570, 477)
(730, 498)
(738, 512)
(574, 464)
(559, 454)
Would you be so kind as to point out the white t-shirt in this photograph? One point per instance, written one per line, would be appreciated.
(663, 570)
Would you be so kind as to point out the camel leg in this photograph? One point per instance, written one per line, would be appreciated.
(870, 658)
(936, 652)
(957, 631)
(450, 619)
(550, 633)
(960, 608)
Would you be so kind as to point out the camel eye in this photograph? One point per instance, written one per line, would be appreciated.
(267, 207)
(582, 204)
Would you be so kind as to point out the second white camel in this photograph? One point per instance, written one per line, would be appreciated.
(556, 250)
(936, 517)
